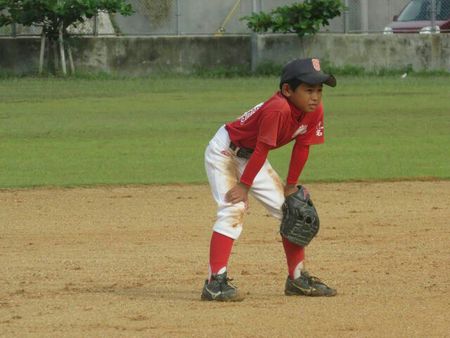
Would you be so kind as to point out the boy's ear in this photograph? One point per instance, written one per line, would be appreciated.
(286, 89)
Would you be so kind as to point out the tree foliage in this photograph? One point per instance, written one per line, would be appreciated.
(303, 18)
(52, 14)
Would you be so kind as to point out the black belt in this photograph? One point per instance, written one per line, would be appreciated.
(241, 152)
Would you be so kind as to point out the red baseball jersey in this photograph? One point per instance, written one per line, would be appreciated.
(277, 122)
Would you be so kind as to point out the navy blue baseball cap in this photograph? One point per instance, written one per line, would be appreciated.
(307, 71)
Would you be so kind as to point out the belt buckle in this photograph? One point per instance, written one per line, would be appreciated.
(235, 150)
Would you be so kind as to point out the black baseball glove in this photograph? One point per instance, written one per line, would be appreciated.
(300, 221)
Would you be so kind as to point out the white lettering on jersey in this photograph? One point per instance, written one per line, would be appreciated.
(319, 129)
(248, 114)
(301, 130)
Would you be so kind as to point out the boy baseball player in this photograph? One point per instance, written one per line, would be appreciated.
(236, 164)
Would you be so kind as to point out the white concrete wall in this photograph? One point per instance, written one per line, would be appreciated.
(146, 55)
(372, 52)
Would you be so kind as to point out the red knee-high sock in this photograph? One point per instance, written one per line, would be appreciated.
(219, 252)
(295, 254)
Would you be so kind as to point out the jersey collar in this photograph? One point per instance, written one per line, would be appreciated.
(296, 113)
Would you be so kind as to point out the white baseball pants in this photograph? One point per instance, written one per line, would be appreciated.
(224, 170)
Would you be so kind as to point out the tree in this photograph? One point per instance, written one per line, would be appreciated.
(55, 16)
(303, 18)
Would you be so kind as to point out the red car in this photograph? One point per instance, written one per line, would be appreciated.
(417, 16)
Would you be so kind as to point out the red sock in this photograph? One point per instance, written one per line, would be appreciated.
(219, 251)
(295, 254)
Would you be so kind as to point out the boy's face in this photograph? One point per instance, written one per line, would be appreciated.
(305, 97)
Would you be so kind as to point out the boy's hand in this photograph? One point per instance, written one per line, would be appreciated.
(239, 193)
(289, 189)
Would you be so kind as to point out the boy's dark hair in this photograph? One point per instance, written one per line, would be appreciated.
(293, 84)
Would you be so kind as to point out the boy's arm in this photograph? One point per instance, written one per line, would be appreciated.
(239, 192)
(299, 156)
(255, 163)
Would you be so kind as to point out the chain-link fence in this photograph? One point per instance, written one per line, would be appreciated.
(194, 17)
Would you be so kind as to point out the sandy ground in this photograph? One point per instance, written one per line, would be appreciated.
(131, 261)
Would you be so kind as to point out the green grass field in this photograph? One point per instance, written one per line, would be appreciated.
(70, 132)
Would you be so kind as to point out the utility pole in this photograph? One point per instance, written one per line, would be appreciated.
(433, 16)
(365, 16)
(256, 8)
(178, 15)
(346, 17)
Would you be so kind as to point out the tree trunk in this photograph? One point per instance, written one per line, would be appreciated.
(41, 54)
(61, 51)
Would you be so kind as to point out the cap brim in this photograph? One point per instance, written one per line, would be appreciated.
(318, 78)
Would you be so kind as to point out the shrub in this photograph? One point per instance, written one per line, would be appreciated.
(303, 18)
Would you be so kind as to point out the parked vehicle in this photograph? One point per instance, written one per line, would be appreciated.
(418, 16)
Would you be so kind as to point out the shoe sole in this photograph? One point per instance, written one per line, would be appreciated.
(237, 298)
(293, 293)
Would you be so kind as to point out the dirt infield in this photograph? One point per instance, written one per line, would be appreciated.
(130, 261)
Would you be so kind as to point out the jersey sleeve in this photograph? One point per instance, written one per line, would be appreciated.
(299, 157)
(255, 163)
(315, 131)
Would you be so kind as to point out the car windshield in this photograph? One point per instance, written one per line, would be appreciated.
(420, 10)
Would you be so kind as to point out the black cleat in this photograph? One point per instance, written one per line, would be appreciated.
(307, 285)
(220, 290)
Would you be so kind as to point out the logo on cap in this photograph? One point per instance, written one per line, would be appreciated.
(316, 64)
